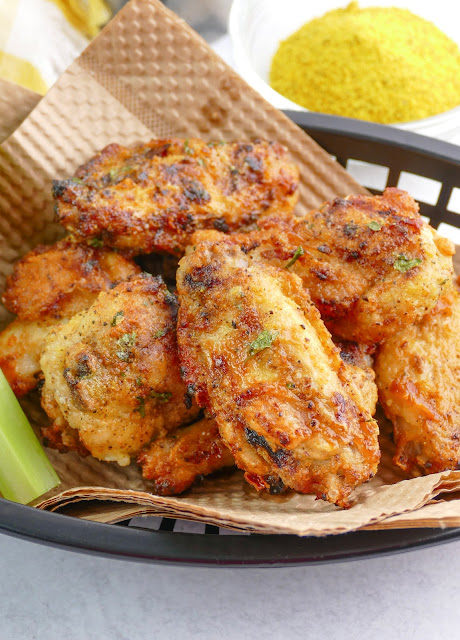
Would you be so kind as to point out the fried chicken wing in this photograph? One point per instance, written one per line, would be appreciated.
(418, 376)
(371, 264)
(49, 285)
(21, 344)
(60, 280)
(360, 362)
(61, 436)
(257, 355)
(112, 372)
(152, 196)
(179, 459)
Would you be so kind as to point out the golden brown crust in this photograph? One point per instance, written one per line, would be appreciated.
(112, 372)
(48, 285)
(21, 344)
(63, 438)
(418, 376)
(60, 280)
(179, 459)
(359, 359)
(152, 196)
(256, 353)
(370, 264)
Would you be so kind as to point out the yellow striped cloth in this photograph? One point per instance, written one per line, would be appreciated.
(40, 38)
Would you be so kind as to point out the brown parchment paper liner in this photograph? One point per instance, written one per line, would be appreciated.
(150, 75)
(16, 103)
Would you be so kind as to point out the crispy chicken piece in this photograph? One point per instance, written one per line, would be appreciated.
(360, 361)
(179, 459)
(371, 264)
(257, 355)
(21, 344)
(112, 372)
(152, 196)
(61, 436)
(418, 376)
(47, 286)
(60, 280)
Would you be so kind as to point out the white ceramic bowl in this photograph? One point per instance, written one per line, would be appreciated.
(257, 26)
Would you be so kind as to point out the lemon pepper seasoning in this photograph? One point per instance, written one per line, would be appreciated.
(381, 64)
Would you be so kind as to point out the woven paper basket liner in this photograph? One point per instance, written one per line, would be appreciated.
(149, 75)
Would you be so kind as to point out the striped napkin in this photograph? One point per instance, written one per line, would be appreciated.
(40, 38)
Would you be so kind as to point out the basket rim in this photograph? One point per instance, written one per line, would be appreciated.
(377, 133)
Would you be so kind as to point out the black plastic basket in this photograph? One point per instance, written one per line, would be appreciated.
(396, 154)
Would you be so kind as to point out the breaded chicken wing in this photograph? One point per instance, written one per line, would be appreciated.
(60, 435)
(255, 352)
(360, 362)
(180, 458)
(418, 376)
(152, 196)
(371, 264)
(48, 285)
(21, 344)
(112, 372)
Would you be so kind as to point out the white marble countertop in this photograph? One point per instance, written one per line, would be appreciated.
(53, 594)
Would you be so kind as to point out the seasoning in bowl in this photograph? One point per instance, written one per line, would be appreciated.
(382, 64)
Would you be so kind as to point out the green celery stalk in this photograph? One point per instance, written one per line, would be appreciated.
(25, 471)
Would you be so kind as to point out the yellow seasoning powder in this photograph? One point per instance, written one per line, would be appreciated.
(382, 64)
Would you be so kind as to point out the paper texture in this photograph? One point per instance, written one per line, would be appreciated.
(149, 75)
(15, 105)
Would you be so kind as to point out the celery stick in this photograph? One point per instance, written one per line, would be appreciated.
(25, 471)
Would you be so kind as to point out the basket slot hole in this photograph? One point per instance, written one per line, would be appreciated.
(188, 526)
(419, 187)
(449, 231)
(426, 218)
(157, 523)
(454, 201)
(373, 176)
(167, 524)
(146, 522)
